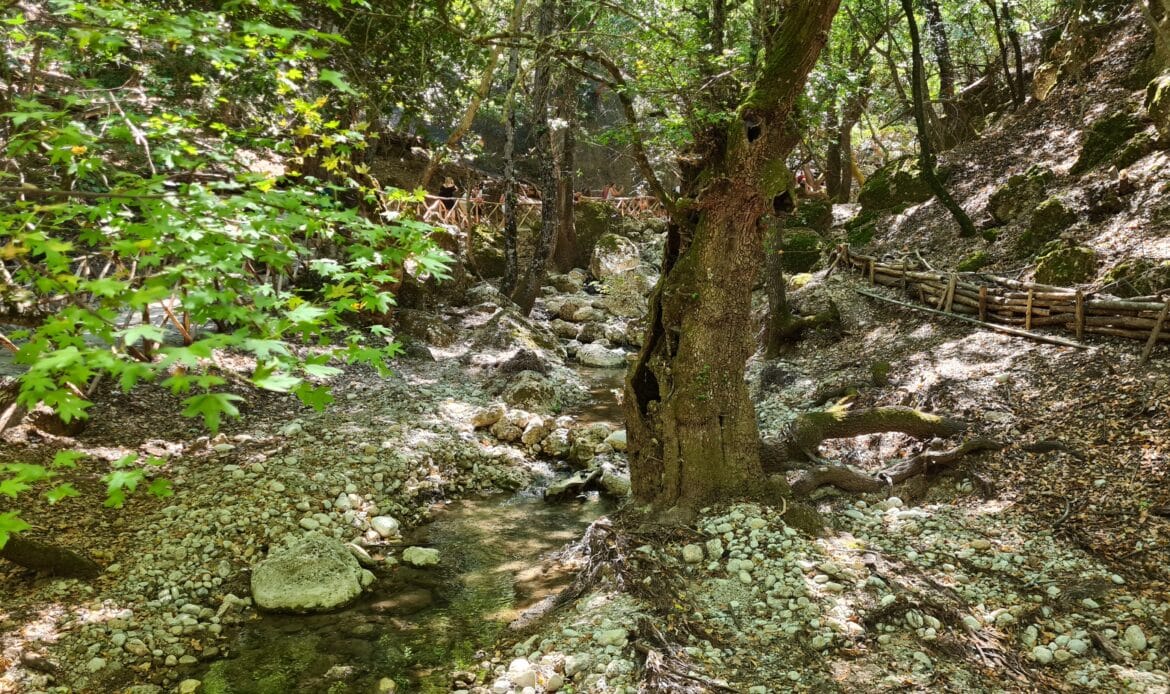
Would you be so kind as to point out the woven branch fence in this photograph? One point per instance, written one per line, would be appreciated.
(1021, 305)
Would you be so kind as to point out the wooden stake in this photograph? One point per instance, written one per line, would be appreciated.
(1080, 315)
(983, 303)
(1028, 310)
(1149, 348)
(872, 268)
(951, 292)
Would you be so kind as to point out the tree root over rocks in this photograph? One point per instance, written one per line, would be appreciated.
(926, 462)
(921, 593)
(48, 558)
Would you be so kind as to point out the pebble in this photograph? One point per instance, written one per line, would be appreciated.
(386, 526)
(96, 664)
(692, 554)
(1135, 638)
(1042, 655)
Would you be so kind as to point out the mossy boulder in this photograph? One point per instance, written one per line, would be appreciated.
(1066, 266)
(974, 262)
(801, 249)
(1104, 138)
(593, 219)
(1048, 221)
(893, 186)
(812, 213)
(860, 230)
(1021, 192)
(1158, 105)
(1137, 277)
(487, 251)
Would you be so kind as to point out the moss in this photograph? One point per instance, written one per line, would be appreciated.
(1158, 104)
(487, 251)
(592, 219)
(801, 249)
(812, 213)
(1048, 221)
(879, 373)
(1067, 266)
(1136, 149)
(976, 261)
(1105, 137)
(1137, 277)
(896, 184)
(1010, 201)
(860, 230)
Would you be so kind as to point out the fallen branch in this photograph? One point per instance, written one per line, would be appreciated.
(855, 482)
(48, 558)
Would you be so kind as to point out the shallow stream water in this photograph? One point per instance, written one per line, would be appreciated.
(418, 625)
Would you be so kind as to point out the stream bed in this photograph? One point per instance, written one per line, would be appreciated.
(418, 624)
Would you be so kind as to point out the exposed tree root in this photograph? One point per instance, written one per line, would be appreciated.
(664, 669)
(48, 558)
(918, 591)
(926, 462)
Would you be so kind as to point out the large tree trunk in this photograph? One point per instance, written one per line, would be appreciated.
(692, 426)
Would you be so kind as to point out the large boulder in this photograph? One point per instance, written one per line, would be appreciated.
(1013, 199)
(894, 186)
(596, 355)
(1105, 138)
(1137, 277)
(613, 256)
(314, 573)
(1158, 105)
(592, 219)
(801, 250)
(1067, 266)
(425, 327)
(532, 391)
(812, 213)
(1048, 221)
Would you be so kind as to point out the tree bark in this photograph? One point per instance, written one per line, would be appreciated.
(691, 423)
(1009, 21)
(48, 558)
(528, 286)
(926, 157)
(566, 250)
(511, 232)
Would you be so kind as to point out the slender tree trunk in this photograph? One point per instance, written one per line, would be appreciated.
(511, 232)
(1017, 52)
(835, 172)
(779, 311)
(692, 426)
(464, 125)
(926, 158)
(1009, 80)
(565, 250)
(528, 286)
(942, 50)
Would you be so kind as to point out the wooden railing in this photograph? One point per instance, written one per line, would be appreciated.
(1023, 305)
(466, 212)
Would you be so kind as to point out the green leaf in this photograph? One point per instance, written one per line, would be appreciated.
(142, 332)
(337, 80)
(11, 523)
(211, 406)
(305, 313)
(161, 488)
(276, 381)
(316, 397)
(67, 458)
(61, 491)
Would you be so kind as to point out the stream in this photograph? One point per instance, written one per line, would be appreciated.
(418, 625)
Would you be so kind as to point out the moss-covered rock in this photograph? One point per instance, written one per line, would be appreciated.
(801, 249)
(1106, 137)
(487, 251)
(1158, 105)
(1048, 221)
(1067, 266)
(1137, 277)
(976, 261)
(593, 219)
(812, 213)
(895, 185)
(860, 230)
(1021, 192)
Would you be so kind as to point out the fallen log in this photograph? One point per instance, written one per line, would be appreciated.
(48, 558)
(850, 480)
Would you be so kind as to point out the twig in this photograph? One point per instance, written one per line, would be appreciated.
(53, 193)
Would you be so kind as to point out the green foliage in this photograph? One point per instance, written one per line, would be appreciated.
(163, 195)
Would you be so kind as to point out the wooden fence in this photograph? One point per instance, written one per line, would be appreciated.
(467, 212)
(1022, 305)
